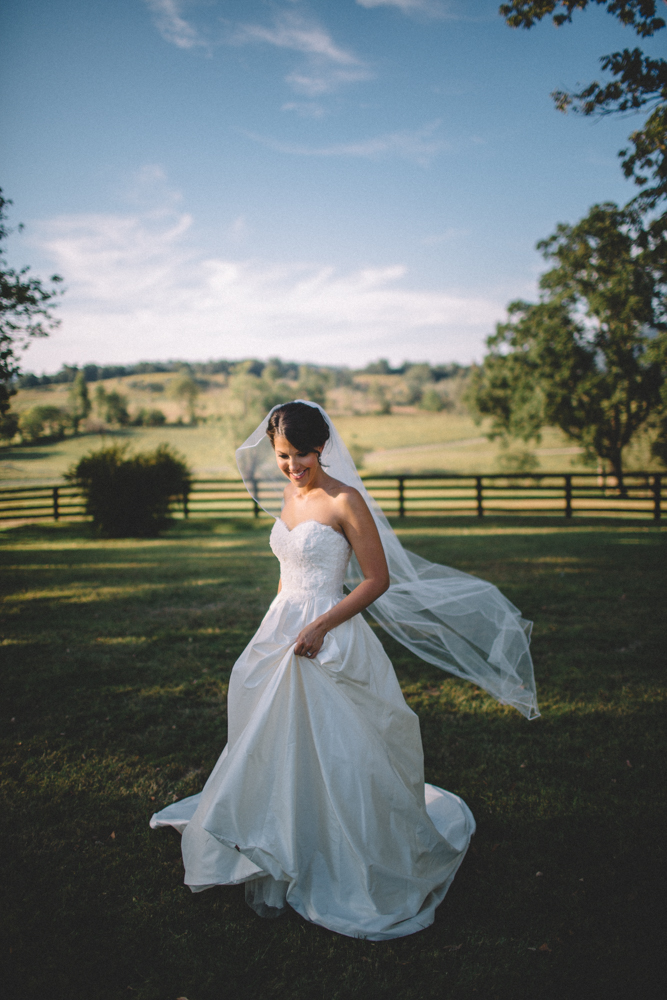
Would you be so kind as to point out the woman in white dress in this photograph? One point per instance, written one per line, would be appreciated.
(318, 800)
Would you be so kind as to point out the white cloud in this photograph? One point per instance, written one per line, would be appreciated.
(138, 288)
(327, 66)
(172, 25)
(418, 145)
(293, 32)
(432, 8)
(306, 109)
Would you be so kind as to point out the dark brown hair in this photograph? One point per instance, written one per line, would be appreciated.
(304, 426)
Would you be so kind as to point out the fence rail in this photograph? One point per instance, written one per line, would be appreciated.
(566, 494)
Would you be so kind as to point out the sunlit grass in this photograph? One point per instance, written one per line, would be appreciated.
(116, 657)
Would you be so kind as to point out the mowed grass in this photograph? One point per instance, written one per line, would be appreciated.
(115, 663)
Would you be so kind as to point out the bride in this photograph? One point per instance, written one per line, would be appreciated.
(318, 800)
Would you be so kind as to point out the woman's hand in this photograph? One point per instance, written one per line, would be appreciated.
(309, 640)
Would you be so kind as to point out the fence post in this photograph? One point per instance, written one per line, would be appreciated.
(568, 496)
(185, 504)
(401, 496)
(480, 506)
(255, 493)
(56, 512)
(657, 484)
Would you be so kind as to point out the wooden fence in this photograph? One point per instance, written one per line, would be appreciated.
(582, 493)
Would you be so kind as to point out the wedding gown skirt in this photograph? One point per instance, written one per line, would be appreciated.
(318, 800)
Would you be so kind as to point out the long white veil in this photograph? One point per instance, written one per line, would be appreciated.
(451, 619)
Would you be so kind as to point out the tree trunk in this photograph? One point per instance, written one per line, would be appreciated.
(617, 466)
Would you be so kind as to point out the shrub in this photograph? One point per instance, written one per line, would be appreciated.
(149, 418)
(129, 496)
(431, 400)
(43, 422)
(9, 424)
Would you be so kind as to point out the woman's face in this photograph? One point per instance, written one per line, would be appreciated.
(301, 469)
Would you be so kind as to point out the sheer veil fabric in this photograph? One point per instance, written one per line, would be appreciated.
(451, 619)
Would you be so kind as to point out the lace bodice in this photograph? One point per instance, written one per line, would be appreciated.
(313, 559)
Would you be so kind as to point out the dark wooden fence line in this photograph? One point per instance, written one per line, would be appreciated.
(566, 494)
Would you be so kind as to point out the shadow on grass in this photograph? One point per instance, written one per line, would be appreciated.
(105, 891)
(116, 657)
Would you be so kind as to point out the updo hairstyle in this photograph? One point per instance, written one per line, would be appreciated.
(304, 427)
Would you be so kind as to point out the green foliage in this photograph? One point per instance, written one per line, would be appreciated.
(637, 81)
(416, 378)
(637, 14)
(25, 313)
(79, 401)
(379, 367)
(379, 394)
(149, 418)
(9, 425)
(129, 496)
(253, 396)
(431, 400)
(111, 406)
(313, 384)
(185, 389)
(41, 422)
(590, 357)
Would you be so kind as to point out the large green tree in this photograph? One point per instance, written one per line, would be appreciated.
(637, 82)
(589, 357)
(25, 313)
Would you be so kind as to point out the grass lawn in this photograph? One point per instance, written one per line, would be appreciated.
(116, 658)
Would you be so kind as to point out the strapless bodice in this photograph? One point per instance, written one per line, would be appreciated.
(313, 559)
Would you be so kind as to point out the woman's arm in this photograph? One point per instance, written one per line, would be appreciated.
(360, 529)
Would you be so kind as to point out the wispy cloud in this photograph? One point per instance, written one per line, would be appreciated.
(139, 288)
(418, 145)
(292, 32)
(327, 65)
(307, 109)
(430, 8)
(173, 27)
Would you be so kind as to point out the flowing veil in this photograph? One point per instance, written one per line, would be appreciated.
(449, 618)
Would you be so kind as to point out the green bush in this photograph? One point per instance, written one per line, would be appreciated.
(9, 424)
(149, 418)
(431, 400)
(41, 422)
(129, 496)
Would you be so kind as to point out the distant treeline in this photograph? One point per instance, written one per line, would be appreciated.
(278, 369)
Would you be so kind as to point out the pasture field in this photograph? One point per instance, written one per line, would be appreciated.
(116, 657)
(414, 442)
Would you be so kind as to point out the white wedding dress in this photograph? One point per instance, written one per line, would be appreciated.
(318, 800)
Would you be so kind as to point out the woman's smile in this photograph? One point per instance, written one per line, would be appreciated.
(300, 467)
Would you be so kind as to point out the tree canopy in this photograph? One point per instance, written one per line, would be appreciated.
(25, 312)
(638, 81)
(589, 357)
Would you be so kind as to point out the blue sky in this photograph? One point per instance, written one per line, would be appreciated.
(331, 181)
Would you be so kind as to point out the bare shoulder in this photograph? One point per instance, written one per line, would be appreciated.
(350, 503)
